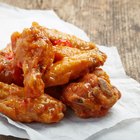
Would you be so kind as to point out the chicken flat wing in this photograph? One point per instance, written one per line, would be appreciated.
(34, 54)
(92, 96)
(43, 109)
(70, 68)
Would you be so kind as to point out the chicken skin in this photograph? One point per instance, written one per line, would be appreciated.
(92, 95)
(44, 109)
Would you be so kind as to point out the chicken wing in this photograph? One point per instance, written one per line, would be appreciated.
(43, 109)
(60, 38)
(92, 96)
(70, 68)
(34, 54)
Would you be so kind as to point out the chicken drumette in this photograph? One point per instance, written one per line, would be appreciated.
(92, 95)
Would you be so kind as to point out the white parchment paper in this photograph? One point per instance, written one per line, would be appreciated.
(127, 108)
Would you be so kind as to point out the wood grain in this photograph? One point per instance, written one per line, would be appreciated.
(107, 22)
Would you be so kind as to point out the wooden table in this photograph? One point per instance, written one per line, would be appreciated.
(107, 22)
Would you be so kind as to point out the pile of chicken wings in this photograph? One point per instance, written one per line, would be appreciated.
(43, 72)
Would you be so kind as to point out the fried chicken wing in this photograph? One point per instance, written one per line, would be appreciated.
(63, 39)
(70, 68)
(34, 54)
(43, 109)
(92, 96)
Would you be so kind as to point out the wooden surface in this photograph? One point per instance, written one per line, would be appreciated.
(107, 22)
